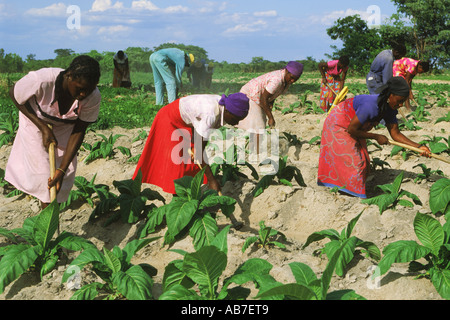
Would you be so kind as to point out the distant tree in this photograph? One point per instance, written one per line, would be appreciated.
(360, 42)
(10, 62)
(61, 53)
(430, 28)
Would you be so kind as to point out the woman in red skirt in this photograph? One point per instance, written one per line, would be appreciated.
(344, 160)
(181, 126)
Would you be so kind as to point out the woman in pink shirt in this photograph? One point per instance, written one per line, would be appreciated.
(408, 68)
(69, 100)
(331, 74)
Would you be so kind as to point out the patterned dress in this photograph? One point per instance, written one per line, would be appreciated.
(344, 161)
(332, 75)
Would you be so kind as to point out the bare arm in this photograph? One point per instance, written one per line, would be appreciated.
(266, 106)
(358, 131)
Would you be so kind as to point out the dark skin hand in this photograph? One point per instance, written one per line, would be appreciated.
(73, 89)
(360, 131)
(212, 181)
(267, 105)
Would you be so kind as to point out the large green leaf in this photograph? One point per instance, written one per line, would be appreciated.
(204, 230)
(179, 214)
(441, 281)
(112, 262)
(319, 235)
(400, 252)
(87, 292)
(197, 184)
(134, 246)
(90, 255)
(429, 232)
(46, 224)
(134, 284)
(178, 292)
(131, 207)
(303, 273)
(347, 249)
(17, 259)
(440, 196)
(293, 290)
(205, 267)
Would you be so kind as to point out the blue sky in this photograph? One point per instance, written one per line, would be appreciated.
(230, 30)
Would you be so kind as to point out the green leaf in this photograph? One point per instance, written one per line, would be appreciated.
(203, 230)
(179, 214)
(134, 284)
(400, 252)
(18, 259)
(303, 273)
(205, 267)
(87, 292)
(440, 196)
(292, 290)
(197, 184)
(112, 262)
(178, 292)
(351, 225)
(249, 241)
(46, 224)
(429, 232)
(317, 236)
(134, 246)
(90, 255)
(441, 281)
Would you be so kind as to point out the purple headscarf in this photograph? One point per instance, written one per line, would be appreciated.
(236, 103)
(296, 68)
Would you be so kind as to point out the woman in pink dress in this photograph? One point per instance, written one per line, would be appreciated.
(262, 92)
(331, 72)
(69, 101)
(408, 68)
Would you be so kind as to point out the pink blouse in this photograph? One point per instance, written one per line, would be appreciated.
(402, 66)
(333, 68)
(38, 87)
(273, 82)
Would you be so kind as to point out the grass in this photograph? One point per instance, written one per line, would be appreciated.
(135, 107)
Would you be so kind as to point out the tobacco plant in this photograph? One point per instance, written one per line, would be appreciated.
(426, 172)
(191, 211)
(121, 278)
(8, 127)
(392, 196)
(34, 248)
(434, 247)
(266, 238)
(131, 201)
(202, 269)
(104, 148)
(85, 190)
(337, 241)
(284, 174)
(440, 197)
(307, 285)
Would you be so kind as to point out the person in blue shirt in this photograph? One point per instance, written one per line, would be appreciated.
(167, 66)
(381, 68)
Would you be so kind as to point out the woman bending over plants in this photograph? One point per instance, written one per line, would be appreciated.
(408, 68)
(69, 101)
(344, 160)
(177, 127)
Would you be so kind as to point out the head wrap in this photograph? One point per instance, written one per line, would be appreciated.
(296, 68)
(236, 103)
(395, 85)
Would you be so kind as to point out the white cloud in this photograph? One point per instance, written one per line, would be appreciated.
(143, 5)
(270, 13)
(113, 30)
(176, 9)
(246, 28)
(103, 5)
(54, 10)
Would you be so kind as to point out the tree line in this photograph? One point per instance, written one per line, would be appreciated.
(421, 25)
